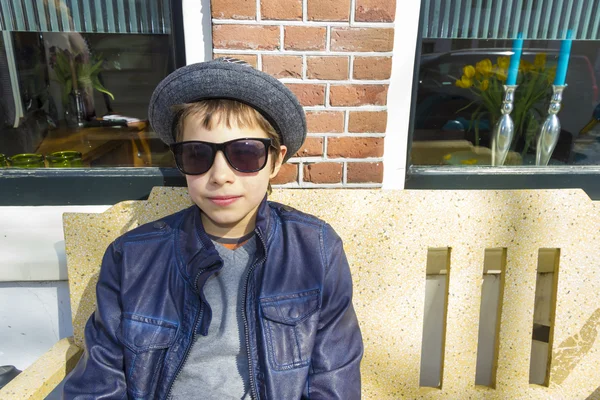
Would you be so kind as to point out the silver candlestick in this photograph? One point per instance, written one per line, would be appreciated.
(550, 130)
(504, 129)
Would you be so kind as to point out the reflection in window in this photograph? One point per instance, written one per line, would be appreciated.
(463, 67)
(76, 77)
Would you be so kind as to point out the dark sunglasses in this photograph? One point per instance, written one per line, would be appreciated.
(244, 155)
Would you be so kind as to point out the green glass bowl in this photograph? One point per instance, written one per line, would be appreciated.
(3, 161)
(65, 159)
(27, 160)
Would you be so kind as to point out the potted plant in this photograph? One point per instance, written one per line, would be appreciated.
(485, 81)
(78, 76)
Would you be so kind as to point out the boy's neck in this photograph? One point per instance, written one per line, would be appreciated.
(231, 244)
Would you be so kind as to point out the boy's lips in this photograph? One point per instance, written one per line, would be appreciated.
(223, 200)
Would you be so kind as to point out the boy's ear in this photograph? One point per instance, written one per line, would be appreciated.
(278, 161)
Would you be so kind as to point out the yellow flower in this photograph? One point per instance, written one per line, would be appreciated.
(551, 74)
(464, 82)
(500, 72)
(470, 161)
(526, 66)
(503, 62)
(469, 71)
(485, 84)
(447, 156)
(540, 61)
(484, 67)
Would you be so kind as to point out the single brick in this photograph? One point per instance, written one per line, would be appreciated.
(251, 59)
(362, 39)
(287, 174)
(281, 9)
(246, 37)
(304, 38)
(358, 95)
(335, 68)
(365, 172)
(308, 94)
(328, 10)
(233, 9)
(354, 147)
(367, 121)
(312, 147)
(375, 10)
(282, 66)
(325, 121)
(372, 67)
(323, 172)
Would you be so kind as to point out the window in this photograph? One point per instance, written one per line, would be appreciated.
(76, 77)
(463, 60)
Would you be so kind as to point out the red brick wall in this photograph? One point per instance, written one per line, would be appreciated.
(335, 55)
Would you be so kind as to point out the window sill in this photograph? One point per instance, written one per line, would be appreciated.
(506, 177)
(94, 186)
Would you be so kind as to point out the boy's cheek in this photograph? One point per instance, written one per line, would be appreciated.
(193, 185)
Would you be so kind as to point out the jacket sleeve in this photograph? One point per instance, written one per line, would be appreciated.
(99, 374)
(335, 362)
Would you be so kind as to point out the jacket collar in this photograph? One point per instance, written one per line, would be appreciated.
(196, 250)
(264, 219)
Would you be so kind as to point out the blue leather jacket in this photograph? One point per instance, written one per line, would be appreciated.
(302, 335)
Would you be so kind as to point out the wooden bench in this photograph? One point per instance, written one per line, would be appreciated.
(391, 238)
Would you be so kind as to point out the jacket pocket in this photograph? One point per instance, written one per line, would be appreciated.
(289, 325)
(146, 341)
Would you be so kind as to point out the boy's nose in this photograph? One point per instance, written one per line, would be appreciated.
(221, 172)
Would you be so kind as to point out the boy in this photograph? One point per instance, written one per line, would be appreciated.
(234, 297)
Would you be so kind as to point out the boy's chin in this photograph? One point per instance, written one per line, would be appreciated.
(225, 218)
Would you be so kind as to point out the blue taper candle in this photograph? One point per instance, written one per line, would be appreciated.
(515, 59)
(563, 59)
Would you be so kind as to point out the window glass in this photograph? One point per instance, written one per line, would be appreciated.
(76, 77)
(465, 63)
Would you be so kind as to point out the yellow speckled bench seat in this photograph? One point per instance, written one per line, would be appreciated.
(387, 235)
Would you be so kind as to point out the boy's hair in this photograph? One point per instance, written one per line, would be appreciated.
(213, 112)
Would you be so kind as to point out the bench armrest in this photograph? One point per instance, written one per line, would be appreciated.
(37, 381)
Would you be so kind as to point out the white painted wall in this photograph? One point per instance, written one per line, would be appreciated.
(406, 31)
(197, 29)
(32, 242)
(34, 316)
(35, 311)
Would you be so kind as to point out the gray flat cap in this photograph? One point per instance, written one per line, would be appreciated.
(227, 78)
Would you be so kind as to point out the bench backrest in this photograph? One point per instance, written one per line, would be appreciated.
(387, 237)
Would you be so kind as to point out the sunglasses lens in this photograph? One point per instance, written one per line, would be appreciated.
(193, 158)
(247, 155)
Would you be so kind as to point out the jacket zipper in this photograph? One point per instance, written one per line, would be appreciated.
(253, 393)
(197, 320)
(244, 317)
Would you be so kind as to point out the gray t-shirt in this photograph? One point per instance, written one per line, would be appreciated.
(217, 365)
